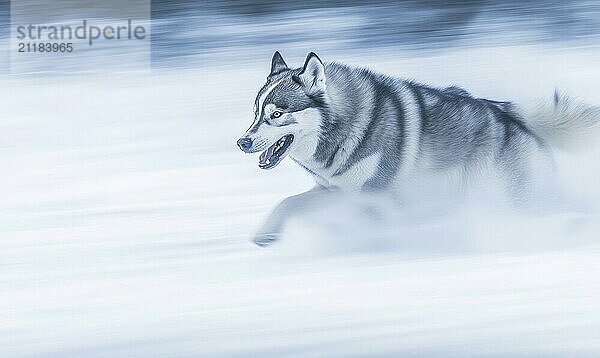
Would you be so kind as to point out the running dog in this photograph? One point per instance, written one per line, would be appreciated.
(353, 129)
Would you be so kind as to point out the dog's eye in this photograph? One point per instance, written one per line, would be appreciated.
(276, 114)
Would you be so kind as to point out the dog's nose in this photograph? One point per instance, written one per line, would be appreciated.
(244, 143)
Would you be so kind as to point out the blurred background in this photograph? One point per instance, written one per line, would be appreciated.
(126, 209)
(188, 31)
(197, 33)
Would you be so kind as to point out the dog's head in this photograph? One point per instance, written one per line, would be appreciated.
(287, 109)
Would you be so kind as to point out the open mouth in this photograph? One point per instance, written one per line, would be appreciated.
(273, 155)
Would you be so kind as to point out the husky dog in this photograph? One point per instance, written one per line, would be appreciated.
(354, 129)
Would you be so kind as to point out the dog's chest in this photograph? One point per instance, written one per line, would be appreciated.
(353, 177)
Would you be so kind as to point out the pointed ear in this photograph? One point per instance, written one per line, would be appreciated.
(312, 76)
(277, 64)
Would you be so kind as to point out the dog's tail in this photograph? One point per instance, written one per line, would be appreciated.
(564, 123)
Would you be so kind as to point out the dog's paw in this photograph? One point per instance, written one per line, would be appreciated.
(264, 240)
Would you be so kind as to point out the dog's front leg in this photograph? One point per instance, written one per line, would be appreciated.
(273, 226)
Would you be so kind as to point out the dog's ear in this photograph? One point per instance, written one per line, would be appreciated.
(312, 76)
(277, 64)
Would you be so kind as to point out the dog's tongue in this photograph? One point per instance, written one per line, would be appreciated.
(267, 154)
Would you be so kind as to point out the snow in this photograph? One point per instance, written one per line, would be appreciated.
(127, 210)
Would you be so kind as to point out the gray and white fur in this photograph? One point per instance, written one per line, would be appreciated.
(356, 130)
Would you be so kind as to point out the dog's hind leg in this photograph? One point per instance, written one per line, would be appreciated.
(530, 178)
(272, 228)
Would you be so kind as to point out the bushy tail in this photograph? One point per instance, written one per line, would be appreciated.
(564, 123)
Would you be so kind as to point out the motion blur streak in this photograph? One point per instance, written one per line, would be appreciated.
(126, 209)
(213, 30)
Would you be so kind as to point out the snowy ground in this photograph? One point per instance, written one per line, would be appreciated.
(126, 210)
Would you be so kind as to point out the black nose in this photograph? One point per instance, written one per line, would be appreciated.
(244, 143)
